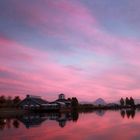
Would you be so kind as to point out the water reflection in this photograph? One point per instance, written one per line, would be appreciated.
(16, 124)
(100, 112)
(129, 113)
(36, 119)
(9, 123)
(32, 120)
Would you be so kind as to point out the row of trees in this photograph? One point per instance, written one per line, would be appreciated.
(9, 101)
(127, 102)
(74, 102)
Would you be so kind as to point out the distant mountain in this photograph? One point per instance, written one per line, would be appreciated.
(99, 101)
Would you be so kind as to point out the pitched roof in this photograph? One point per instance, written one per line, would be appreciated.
(35, 99)
(39, 100)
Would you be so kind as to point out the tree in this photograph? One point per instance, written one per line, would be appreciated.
(2, 99)
(74, 102)
(9, 101)
(127, 102)
(16, 100)
(69, 99)
(132, 102)
(122, 102)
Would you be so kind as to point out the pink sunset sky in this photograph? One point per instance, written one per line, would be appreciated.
(83, 48)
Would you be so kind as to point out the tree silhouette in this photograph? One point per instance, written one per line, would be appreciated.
(2, 99)
(127, 102)
(132, 102)
(122, 102)
(74, 102)
(69, 99)
(9, 101)
(16, 100)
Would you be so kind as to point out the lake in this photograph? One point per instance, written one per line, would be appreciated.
(97, 125)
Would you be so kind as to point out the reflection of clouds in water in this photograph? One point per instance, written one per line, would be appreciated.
(100, 112)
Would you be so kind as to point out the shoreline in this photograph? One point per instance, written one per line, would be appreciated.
(11, 112)
(18, 111)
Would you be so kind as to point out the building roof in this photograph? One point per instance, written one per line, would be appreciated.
(39, 100)
(35, 99)
(63, 101)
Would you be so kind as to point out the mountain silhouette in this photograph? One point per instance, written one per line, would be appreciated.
(99, 101)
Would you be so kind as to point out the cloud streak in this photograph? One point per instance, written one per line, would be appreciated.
(63, 46)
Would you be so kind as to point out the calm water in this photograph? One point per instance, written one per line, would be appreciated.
(110, 125)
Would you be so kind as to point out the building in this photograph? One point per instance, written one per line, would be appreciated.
(62, 101)
(37, 103)
(61, 96)
(33, 102)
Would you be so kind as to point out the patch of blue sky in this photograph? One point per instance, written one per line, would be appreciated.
(120, 29)
(85, 59)
(32, 37)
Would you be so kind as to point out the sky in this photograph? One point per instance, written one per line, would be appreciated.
(83, 48)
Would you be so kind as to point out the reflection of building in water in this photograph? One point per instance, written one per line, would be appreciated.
(62, 118)
(32, 120)
(100, 112)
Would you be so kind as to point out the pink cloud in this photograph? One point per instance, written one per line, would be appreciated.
(48, 78)
(35, 71)
(9, 50)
